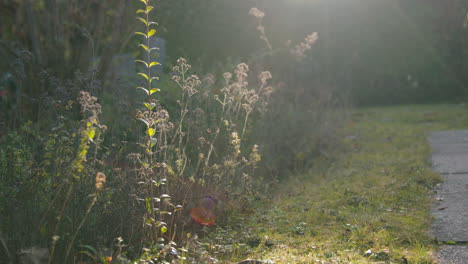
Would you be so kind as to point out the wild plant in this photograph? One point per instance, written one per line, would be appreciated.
(299, 51)
(151, 172)
(203, 145)
(49, 175)
(88, 134)
(259, 15)
(218, 123)
(207, 147)
(237, 102)
(298, 129)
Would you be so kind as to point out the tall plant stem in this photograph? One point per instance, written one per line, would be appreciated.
(245, 123)
(59, 220)
(70, 245)
(148, 53)
(218, 130)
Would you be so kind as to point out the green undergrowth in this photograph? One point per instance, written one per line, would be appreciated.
(369, 205)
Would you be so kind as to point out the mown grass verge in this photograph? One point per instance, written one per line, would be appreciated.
(369, 205)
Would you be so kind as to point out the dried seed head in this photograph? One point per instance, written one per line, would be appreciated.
(100, 177)
(100, 180)
(256, 12)
(301, 48)
(227, 76)
(264, 77)
(99, 186)
(209, 79)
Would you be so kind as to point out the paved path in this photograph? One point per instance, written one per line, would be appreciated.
(450, 207)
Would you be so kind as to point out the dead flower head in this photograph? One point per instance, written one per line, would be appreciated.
(209, 79)
(300, 49)
(267, 91)
(227, 76)
(264, 77)
(89, 104)
(100, 180)
(256, 12)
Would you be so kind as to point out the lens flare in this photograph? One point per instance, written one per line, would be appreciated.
(208, 202)
(204, 214)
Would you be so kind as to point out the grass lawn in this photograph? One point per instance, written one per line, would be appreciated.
(368, 205)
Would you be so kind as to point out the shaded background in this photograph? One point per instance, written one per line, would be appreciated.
(379, 52)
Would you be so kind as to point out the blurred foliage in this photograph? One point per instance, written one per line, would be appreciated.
(380, 52)
(55, 38)
(59, 34)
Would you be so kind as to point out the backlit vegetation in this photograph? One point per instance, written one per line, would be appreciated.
(198, 160)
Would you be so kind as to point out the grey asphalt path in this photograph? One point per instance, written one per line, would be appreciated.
(453, 254)
(450, 206)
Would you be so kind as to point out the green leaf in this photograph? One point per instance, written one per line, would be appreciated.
(178, 208)
(155, 48)
(144, 75)
(146, 91)
(154, 63)
(153, 141)
(144, 47)
(140, 11)
(91, 133)
(152, 22)
(143, 20)
(153, 78)
(151, 32)
(141, 33)
(163, 229)
(150, 106)
(83, 153)
(148, 221)
(152, 91)
(144, 2)
(144, 62)
(148, 9)
(90, 248)
(165, 196)
(151, 131)
(148, 205)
